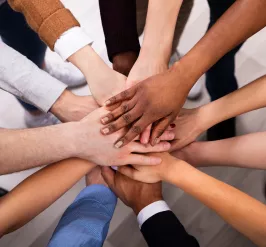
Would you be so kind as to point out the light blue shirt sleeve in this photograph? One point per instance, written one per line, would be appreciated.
(86, 221)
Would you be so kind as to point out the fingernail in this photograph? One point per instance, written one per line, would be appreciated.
(167, 145)
(114, 168)
(105, 120)
(119, 144)
(156, 141)
(108, 102)
(105, 131)
(172, 125)
(156, 160)
(171, 136)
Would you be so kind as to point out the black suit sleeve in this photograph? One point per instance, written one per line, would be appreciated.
(119, 26)
(165, 230)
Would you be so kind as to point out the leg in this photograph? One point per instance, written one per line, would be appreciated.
(220, 79)
(15, 32)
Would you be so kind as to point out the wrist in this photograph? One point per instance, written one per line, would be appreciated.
(208, 116)
(123, 62)
(144, 202)
(175, 171)
(68, 134)
(63, 104)
(153, 56)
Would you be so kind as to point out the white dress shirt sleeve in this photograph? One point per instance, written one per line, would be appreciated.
(150, 210)
(71, 41)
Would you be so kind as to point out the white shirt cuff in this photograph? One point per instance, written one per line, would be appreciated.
(71, 41)
(150, 210)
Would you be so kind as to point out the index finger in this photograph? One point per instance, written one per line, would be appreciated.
(125, 95)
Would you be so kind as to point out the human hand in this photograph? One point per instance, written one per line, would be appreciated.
(95, 177)
(190, 123)
(134, 194)
(70, 107)
(153, 174)
(143, 69)
(123, 62)
(102, 80)
(156, 100)
(92, 145)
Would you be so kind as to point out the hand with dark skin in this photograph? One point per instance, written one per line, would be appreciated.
(159, 99)
(134, 194)
(154, 99)
(123, 62)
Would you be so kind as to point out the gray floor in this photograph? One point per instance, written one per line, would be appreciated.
(209, 229)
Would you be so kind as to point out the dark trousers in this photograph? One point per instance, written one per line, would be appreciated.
(16, 33)
(220, 79)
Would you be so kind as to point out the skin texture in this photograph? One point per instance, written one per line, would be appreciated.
(246, 151)
(248, 217)
(134, 194)
(102, 80)
(243, 18)
(70, 107)
(191, 123)
(39, 191)
(139, 97)
(123, 62)
(48, 145)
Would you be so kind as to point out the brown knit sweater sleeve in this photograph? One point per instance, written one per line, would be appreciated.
(49, 18)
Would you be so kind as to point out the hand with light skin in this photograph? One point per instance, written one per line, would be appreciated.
(100, 149)
(189, 125)
(95, 177)
(102, 80)
(228, 202)
(70, 107)
(246, 151)
(134, 194)
(192, 122)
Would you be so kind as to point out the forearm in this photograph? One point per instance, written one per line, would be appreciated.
(241, 211)
(245, 99)
(241, 21)
(39, 191)
(28, 148)
(159, 30)
(244, 151)
(102, 80)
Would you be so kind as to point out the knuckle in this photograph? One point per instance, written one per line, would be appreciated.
(124, 94)
(113, 99)
(110, 116)
(127, 118)
(136, 129)
(124, 108)
(160, 131)
(112, 127)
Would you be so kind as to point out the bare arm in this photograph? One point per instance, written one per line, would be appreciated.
(39, 191)
(243, 151)
(238, 209)
(159, 30)
(28, 148)
(191, 123)
(241, 20)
